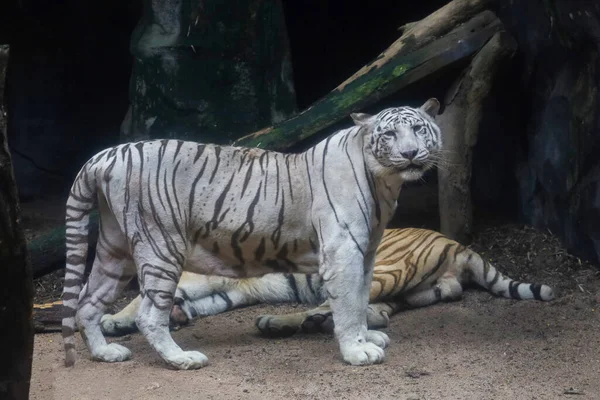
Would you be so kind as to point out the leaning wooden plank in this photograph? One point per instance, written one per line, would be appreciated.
(460, 124)
(416, 35)
(377, 82)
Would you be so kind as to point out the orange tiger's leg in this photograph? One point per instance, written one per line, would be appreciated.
(319, 319)
(378, 317)
(446, 288)
(283, 325)
(123, 322)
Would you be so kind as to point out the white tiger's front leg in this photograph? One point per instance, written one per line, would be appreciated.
(347, 281)
(376, 337)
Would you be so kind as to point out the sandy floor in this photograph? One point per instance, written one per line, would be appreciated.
(481, 347)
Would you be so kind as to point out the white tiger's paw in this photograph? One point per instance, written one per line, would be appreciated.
(188, 360)
(365, 353)
(112, 352)
(379, 339)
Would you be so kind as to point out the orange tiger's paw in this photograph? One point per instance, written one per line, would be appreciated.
(178, 317)
(379, 339)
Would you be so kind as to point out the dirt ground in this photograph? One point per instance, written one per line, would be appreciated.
(481, 347)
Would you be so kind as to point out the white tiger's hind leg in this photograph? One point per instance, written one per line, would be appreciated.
(158, 282)
(108, 278)
(192, 289)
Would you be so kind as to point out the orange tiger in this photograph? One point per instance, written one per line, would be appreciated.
(413, 268)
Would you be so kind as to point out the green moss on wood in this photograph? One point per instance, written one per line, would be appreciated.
(398, 72)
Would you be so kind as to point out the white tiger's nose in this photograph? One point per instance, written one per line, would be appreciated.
(410, 154)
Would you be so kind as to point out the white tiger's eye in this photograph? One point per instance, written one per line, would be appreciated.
(389, 133)
(418, 128)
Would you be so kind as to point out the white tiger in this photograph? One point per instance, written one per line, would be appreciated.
(170, 205)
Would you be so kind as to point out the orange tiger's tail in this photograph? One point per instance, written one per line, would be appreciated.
(483, 273)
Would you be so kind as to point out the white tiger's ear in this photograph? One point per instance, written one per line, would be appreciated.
(431, 107)
(360, 118)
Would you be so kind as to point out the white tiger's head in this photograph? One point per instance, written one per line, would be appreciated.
(403, 140)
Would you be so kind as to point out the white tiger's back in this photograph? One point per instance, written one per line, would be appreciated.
(219, 203)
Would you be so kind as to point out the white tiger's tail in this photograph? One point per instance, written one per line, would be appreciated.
(80, 204)
(483, 273)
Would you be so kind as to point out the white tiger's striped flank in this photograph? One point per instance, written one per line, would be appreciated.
(167, 205)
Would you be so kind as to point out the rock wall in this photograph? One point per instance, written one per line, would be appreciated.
(208, 70)
(4, 50)
(66, 87)
(557, 159)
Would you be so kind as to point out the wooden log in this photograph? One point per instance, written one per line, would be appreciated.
(460, 126)
(16, 285)
(47, 318)
(426, 47)
(47, 251)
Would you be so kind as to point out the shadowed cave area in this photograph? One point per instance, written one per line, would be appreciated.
(82, 77)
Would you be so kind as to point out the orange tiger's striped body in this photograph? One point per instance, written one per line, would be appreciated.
(413, 268)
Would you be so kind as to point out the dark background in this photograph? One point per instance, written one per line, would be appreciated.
(536, 160)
